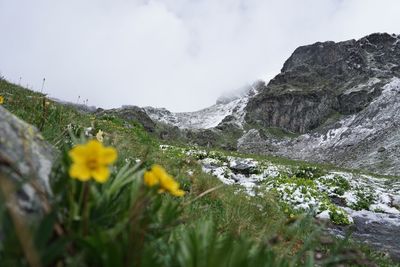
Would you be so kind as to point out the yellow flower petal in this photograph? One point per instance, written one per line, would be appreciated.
(108, 155)
(158, 175)
(80, 172)
(177, 193)
(78, 154)
(168, 183)
(159, 171)
(150, 179)
(101, 174)
(94, 147)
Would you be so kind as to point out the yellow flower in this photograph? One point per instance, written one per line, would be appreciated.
(99, 136)
(150, 179)
(91, 160)
(1, 100)
(159, 176)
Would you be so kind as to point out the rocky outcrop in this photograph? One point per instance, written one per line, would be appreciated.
(25, 159)
(369, 139)
(253, 141)
(343, 98)
(324, 78)
(224, 137)
(294, 112)
(131, 113)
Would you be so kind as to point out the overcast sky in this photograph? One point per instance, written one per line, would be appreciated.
(178, 54)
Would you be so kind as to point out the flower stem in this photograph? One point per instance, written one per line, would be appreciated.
(85, 209)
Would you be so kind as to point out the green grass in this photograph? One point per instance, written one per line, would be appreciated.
(223, 214)
(280, 133)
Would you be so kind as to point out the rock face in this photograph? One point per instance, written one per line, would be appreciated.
(24, 158)
(131, 113)
(369, 139)
(343, 101)
(324, 78)
(255, 142)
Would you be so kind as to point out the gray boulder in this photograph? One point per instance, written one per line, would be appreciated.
(243, 166)
(25, 159)
(253, 142)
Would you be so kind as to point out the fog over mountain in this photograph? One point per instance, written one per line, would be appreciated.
(177, 54)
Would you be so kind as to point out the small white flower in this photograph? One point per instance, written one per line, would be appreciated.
(88, 132)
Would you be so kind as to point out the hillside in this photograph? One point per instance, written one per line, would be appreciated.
(236, 210)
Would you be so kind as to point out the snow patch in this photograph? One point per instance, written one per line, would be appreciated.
(206, 118)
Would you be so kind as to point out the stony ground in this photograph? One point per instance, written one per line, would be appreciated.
(366, 205)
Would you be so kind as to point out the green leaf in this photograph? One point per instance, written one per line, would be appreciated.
(45, 230)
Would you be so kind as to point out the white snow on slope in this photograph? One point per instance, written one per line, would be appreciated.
(373, 198)
(209, 117)
(378, 121)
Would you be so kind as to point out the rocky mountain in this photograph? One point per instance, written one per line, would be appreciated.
(321, 79)
(369, 139)
(342, 98)
(334, 102)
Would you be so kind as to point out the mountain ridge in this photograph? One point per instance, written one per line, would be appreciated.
(320, 79)
(210, 117)
(323, 94)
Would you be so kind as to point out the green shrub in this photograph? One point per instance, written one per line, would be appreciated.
(309, 172)
(364, 200)
(338, 216)
(339, 183)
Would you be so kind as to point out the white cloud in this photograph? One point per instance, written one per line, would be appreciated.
(180, 54)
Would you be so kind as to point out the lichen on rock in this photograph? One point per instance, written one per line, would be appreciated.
(26, 159)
